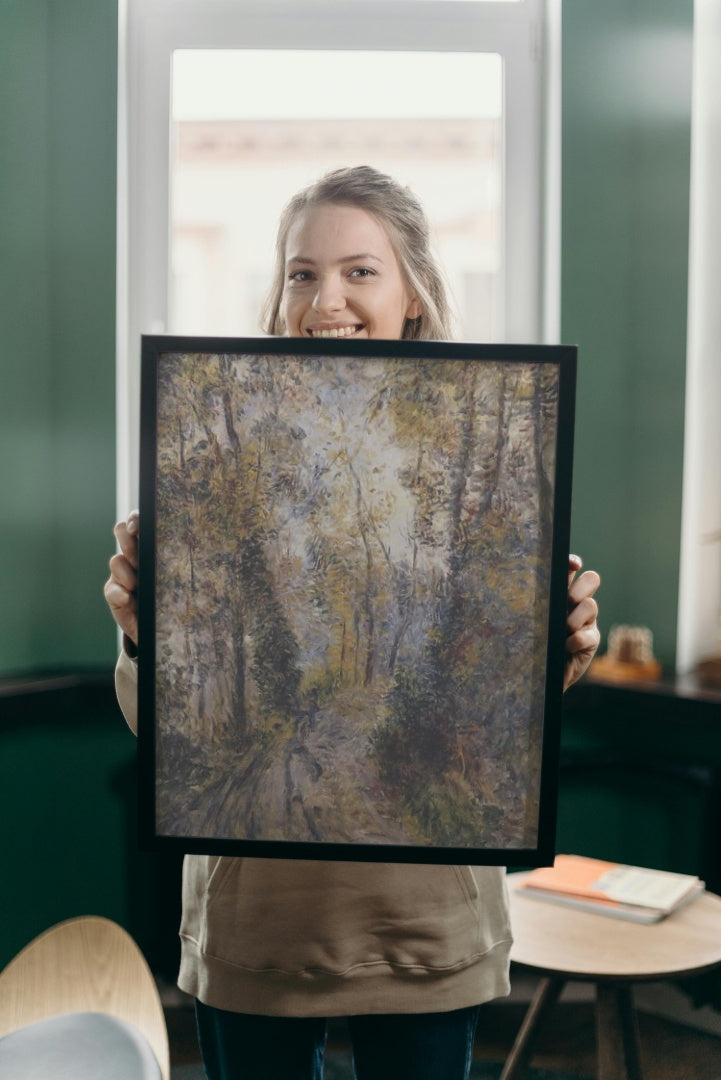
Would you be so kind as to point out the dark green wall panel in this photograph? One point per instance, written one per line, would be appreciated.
(626, 145)
(58, 76)
(60, 787)
(68, 801)
(26, 492)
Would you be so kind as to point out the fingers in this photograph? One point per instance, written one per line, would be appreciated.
(126, 533)
(582, 607)
(575, 562)
(586, 640)
(583, 613)
(583, 587)
(123, 608)
(582, 634)
(581, 646)
(120, 601)
(121, 587)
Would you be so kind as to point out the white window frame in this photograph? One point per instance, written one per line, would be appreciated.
(699, 596)
(526, 34)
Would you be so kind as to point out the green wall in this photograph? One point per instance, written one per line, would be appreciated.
(625, 200)
(58, 72)
(66, 759)
(68, 804)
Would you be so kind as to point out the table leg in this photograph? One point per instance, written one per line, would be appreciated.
(617, 1033)
(545, 997)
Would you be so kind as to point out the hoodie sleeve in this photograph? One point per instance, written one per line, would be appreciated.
(126, 688)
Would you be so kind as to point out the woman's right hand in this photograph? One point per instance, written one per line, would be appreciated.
(121, 587)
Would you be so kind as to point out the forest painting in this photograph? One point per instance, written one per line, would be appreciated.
(351, 597)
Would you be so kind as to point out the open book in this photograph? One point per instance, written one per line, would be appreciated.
(608, 888)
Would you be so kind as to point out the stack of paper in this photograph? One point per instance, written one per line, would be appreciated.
(624, 892)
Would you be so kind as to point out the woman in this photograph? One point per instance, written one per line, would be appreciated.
(271, 948)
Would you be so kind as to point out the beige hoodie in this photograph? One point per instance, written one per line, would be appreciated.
(283, 937)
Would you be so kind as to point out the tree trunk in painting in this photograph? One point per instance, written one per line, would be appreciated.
(275, 649)
(459, 485)
(545, 488)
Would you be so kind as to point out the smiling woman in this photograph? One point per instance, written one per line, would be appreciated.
(298, 941)
(332, 292)
(353, 259)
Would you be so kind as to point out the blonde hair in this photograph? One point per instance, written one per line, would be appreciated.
(403, 217)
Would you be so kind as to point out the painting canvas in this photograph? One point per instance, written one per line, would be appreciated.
(353, 566)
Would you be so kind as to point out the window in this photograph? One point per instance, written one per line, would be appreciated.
(227, 107)
(235, 161)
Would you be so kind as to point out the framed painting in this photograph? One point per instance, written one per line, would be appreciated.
(352, 597)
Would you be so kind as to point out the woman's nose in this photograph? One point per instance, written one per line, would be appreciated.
(329, 296)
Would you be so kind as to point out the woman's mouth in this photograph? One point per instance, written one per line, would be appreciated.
(334, 331)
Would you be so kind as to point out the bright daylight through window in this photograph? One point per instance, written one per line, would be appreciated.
(237, 156)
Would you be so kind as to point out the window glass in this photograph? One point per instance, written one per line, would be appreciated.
(251, 127)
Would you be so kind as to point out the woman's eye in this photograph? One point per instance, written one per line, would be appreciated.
(362, 272)
(300, 276)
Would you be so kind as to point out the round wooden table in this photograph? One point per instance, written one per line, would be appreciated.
(563, 944)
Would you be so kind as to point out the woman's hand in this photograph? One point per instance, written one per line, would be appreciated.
(121, 587)
(583, 635)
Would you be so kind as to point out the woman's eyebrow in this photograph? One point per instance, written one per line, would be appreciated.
(361, 257)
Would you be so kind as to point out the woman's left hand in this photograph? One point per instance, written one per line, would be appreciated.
(582, 633)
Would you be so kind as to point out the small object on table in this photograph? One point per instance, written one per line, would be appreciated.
(629, 657)
(609, 888)
(709, 671)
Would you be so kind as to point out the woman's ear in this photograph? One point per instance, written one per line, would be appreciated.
(415, 309)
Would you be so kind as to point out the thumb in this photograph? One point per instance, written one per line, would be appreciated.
(575, 563)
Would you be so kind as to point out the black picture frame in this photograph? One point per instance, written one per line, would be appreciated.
(353, 572)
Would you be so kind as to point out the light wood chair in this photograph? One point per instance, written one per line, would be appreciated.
(81, 966)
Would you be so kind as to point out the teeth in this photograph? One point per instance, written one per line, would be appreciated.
(336, 332)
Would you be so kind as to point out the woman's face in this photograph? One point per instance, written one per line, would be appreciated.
(342, 277)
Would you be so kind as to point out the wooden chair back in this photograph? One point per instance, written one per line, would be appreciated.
(87, 964)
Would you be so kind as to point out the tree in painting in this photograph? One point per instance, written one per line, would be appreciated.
(351, 598)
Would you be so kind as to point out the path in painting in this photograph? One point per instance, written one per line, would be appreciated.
(317, 784)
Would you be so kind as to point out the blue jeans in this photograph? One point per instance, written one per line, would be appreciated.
(417, 1046)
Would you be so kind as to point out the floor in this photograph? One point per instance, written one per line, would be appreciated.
(670, 1051)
